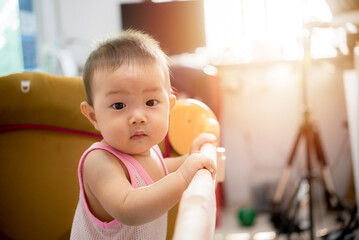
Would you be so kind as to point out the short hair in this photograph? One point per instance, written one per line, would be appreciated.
(129, 47)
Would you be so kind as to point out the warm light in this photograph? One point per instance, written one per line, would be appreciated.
(246, 30)
(238, 236)
(264, 236)
(223, 24)
(351, 28)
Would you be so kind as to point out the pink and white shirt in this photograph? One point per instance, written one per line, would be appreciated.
(86, 226)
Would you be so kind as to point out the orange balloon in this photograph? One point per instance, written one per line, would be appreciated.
(188, 119)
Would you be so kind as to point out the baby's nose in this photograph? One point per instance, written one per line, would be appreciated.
(138, 118)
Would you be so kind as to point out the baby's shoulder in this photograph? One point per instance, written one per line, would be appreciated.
(98, 157)
(100, 162)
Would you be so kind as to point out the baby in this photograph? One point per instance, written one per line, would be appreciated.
(126, 187)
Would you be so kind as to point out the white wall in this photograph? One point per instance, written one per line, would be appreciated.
(261, 119)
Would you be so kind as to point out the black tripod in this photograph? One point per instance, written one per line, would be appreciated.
(284, 220)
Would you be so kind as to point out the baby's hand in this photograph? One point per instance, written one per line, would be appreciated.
(202, 139)
(195, 162)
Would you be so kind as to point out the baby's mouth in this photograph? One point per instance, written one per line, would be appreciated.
(138, 135)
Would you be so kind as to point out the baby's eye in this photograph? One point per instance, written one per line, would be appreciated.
(151, 103)
(118, 105)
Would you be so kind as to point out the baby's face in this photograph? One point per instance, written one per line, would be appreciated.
(131, 107)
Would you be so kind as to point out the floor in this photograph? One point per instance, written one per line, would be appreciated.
(262, 228)
(231, 229)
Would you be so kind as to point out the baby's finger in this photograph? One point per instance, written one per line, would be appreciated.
(210, 166)
(214, 171)
(209, 136)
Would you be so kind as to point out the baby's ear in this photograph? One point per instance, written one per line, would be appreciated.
(172, 101)
(88, 111)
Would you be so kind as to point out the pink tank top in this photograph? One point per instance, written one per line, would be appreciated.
(86, 226)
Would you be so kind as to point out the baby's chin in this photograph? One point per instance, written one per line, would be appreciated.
(141, 147)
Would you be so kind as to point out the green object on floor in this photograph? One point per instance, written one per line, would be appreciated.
(246, 216)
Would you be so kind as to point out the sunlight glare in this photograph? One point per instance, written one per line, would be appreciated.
(264, 236)
(262, 30)
(238, 236)
(220, 17)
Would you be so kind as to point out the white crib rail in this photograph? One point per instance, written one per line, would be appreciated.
(197, 211)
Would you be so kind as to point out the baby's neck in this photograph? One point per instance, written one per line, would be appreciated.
(145, 154)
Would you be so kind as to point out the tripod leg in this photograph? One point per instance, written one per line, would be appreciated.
(329, 187)
(285, 222)
(300, 200)
(309, 147)
(286, 173)
(279, 219)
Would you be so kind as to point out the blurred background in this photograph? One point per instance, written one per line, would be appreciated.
(255, 48)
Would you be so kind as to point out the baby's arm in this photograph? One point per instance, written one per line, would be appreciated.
(107, 185)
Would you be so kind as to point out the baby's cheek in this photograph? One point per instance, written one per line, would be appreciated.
(161, 128)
